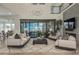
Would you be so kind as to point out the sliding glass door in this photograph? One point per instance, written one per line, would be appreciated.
(33, 28)
(1, 27)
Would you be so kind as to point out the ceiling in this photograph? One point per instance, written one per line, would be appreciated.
(23, 9)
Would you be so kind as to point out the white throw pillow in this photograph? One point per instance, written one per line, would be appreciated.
(24, 38)
(71, 38)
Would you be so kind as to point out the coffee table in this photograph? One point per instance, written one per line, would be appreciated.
(40, 41)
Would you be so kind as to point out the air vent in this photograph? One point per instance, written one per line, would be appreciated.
(38, 3)
(41, 3)
(55, 10)
(34, 3)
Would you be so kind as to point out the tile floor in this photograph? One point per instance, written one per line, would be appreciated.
(37, 49)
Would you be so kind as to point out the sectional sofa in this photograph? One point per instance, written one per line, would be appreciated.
(12, 42)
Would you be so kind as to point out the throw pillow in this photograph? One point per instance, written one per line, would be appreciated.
(17, 36)
(66, 36)
(71, 38)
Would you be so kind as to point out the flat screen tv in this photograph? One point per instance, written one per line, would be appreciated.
(69, 24)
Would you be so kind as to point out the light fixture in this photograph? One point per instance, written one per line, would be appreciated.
(10, 13)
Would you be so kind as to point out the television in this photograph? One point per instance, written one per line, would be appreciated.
(69, 24)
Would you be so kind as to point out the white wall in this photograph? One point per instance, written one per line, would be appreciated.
(40, 12)
(73, 12)
(64, 6)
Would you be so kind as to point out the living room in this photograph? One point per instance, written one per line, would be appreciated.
(36, 27)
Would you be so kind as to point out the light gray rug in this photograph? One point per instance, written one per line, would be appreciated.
(37, 49)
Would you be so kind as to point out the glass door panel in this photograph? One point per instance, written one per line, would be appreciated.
(22, 27)
(1, 27)
(13, 26)
(38, 26)
(33, 29)
(26, 28)
(7, 27)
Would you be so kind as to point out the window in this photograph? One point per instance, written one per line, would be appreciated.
(55, 9)
(13, 26)
(7, 25)
(1, 27)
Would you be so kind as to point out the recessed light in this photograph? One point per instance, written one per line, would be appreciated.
(10, 13)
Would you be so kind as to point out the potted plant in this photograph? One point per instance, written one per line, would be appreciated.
(39, 34)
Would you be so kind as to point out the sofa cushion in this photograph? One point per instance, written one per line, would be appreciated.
(66, 36)
(23, 42)
(11, 37)
(24, 39)
(67, 44)
(71, 38)
(23, 35)
(13, 42)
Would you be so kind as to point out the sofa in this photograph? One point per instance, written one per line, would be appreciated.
(12, 42)
(54, 37)
(67, 44)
